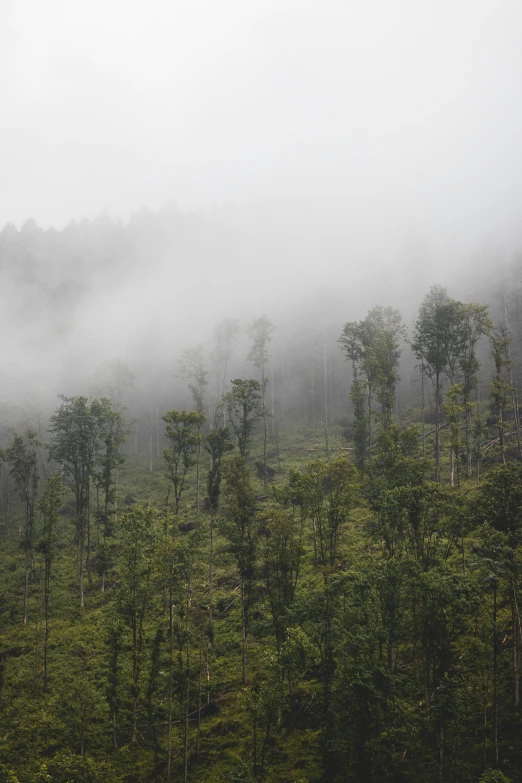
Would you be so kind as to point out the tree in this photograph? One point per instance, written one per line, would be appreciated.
(244, 406)
(217, 444)
(192, 368)
(260, 332)
(224, 337)
(50, 504)
(114, 643)
(326, 494)
(438, 342)
(454, 409)
(137, 550)
(380, 334)
(373, 347)
(110, 460)
(23, 456)
(475, 325)
(351, 345)
(500, 389)
(77, 428)
(177, 558)
(282, 547)
(183, 430)
(240, 530)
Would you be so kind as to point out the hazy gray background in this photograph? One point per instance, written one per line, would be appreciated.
(349, 153)
(398, 116)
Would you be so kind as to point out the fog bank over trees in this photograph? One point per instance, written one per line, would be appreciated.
(145, 290)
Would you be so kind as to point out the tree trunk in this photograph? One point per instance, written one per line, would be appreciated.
(516, 656)
(187, 697)
(468, 440)
(495, 675)
(437, 427)
(514, 395)
(369, 419)
(47, 578)
(197, 478)
(199, 704)
(243, 631)
(171, 666)
(485, 721)
(80, 565)
(26, 586)
(265, 431)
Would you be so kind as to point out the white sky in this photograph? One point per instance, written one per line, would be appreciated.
(393, 115)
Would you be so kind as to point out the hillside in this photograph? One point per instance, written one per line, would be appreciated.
(290, 595)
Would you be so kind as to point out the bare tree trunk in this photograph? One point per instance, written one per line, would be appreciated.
(37, 642)
(243, 631)
(325, 391)
(157, 435)
(265, 430)
(7, 506)
(495, 675)
(46, 613)
(199, 704)
(171, 666)
(210, 603)
(441, 752)
(516, 658)
(517, 635)
(514, 395)
(468, 441)
(187, 697)
(272, 398)
(501, 432)
(80, 564)
(26, 586)
(478, 447)
(369, 419)
(198, 488)
(485, 721)
(116, 496)
(437, 428)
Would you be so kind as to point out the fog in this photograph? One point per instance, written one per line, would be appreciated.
(185, 162)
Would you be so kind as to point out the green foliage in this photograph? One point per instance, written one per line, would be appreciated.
(493, 776)
(241, 774)
(217, 444)
(373, 347)
(69, 768)
(183, 429)
(7, 775)
(244, 407)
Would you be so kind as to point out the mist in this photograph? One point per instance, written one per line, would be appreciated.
(166, 166)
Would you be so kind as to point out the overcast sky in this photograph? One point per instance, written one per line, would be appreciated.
(395, 115)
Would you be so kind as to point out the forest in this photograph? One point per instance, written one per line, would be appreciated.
(287, 551)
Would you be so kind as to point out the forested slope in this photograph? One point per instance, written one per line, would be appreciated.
(286, 564)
